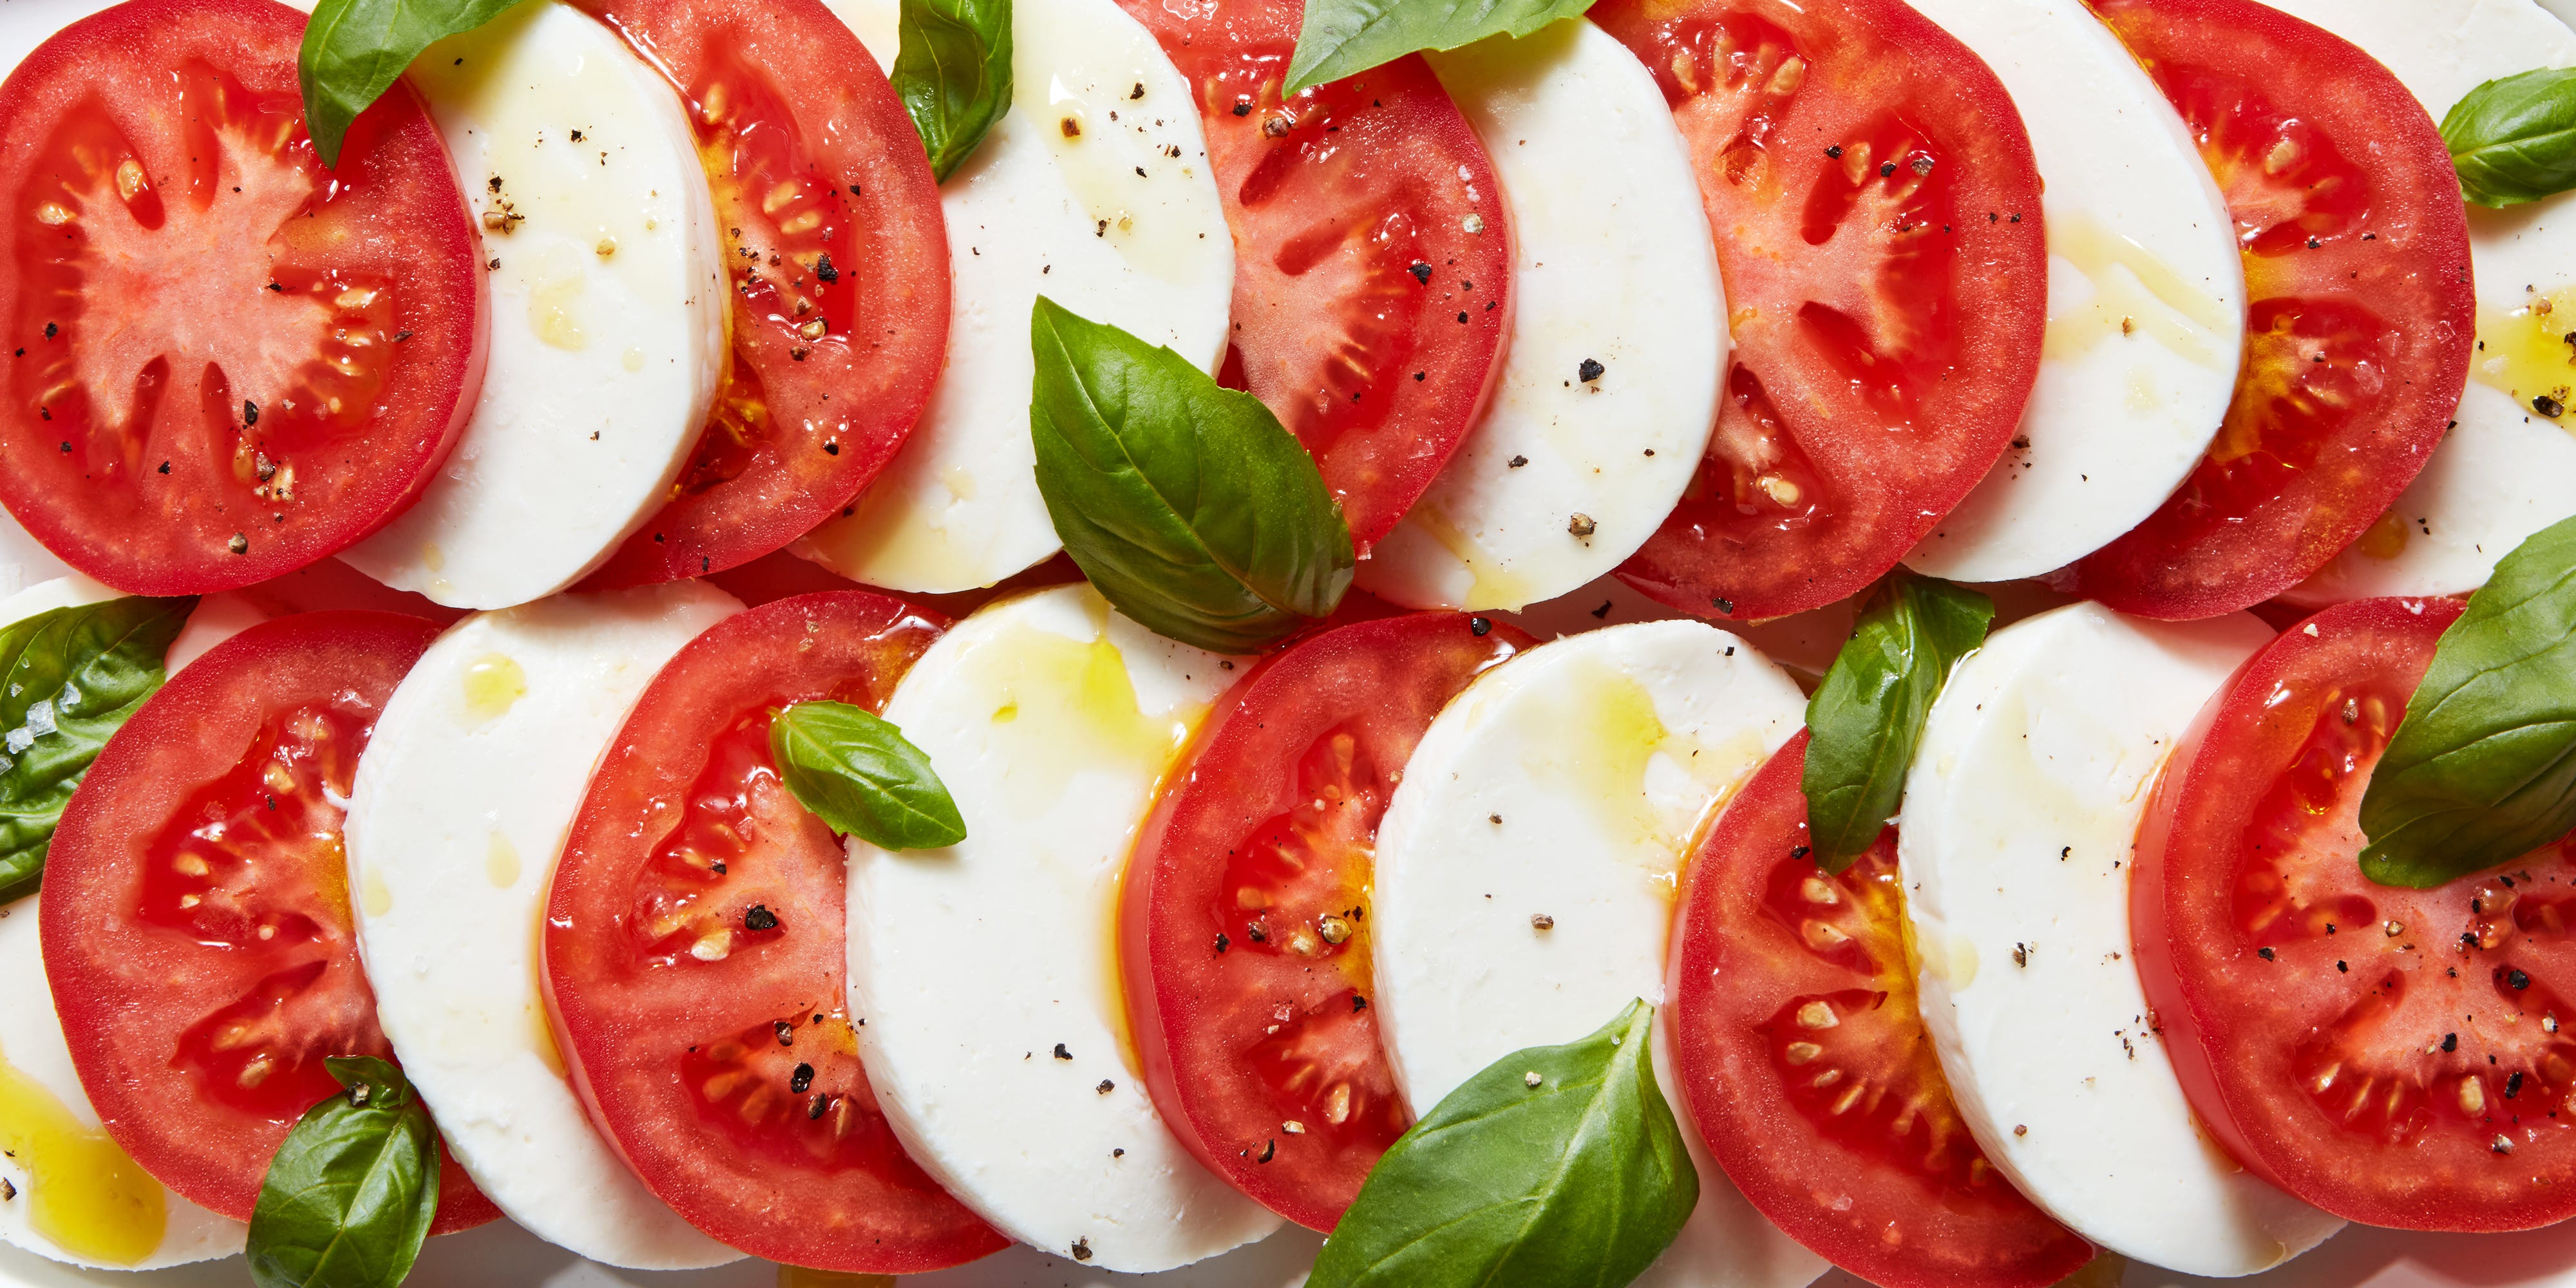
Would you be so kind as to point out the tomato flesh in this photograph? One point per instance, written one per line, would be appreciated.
(832, 218)
(694, 955)
(2358, 337)
(1804, 1061)
(1244, 916)
(2392, 1056)
(227, 362)
(198, 934)
(1878, 226)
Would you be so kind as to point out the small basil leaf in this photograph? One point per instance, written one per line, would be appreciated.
(2514, 140)
(1186, 503)
(1582, 1178)
(1866, 717)
(354, 50)
(68, 680)
(1344, 37)
(860, 775)
(350, 1195)
(953, 71)
(2483, 768)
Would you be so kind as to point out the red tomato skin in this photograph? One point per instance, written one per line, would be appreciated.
(2396, 263)
(619, 1018)
(1855, 300)
(105, 970)
(837, 408)
(1196, 1012)
(1724, 979)
(150, 533)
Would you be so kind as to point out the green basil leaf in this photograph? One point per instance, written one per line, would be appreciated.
(68, 680)
(859, 774)
(1186, 503)
(2483, 768)
(1580, 1178)
(953, 70)
(1344, 37)
(349, 1196)
(2514, 140)
(1866, 717)
(354, 50)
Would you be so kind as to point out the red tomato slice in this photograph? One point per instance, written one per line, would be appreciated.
(1243, 922)
(196, 921)
(1878, 225)
(2357, 339)
(226, 361)
(1845, 1134)
(1373, 259)
(838, 258)
(694, 955)
(2392, 1056)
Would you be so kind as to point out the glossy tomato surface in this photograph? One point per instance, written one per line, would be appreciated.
(1372, 251)
(694, 955)
(1804, 1061)
(2392, 1056)
(1877, 217)
(2360, 320)
(837, 259)
(1244, 916)
(197, 925)
(224, 362)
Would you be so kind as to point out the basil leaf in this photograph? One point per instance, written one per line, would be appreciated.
(2514, 140)
(1344, 37)
(860, 775)
(68, 680)
(1867, 715)
(2483, 768)
(1580, 1179)
(349, 1196)
(953, 70)
(354, 50)
(1186, 503)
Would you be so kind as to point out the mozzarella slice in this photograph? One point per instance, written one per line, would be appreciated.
(1094, 190)
(2506, 471)
(460, 805)
(1566, 476)
(2021, 809)
(2146, 300)
(987, 973)
(608, 310)
(1569, 785)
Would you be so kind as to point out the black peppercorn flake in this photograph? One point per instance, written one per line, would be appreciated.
(760, 918)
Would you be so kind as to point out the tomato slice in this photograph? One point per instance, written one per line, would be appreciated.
(226, 362)
(1843, 1133)
(2392, 1056)
(838, 259)
(694, 955)
(197, 926)
(1372, 251)
(2358, 334)
(1243, 924)
(1878, 225)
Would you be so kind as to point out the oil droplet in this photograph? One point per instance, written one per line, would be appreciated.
(2525, 352)
(1491, 587)
(373, 896)
(83, 1192)
(1062, 705)
(2385, 539)
(432, 556)
(959, 482)
(541, 1031)
(553, 296)
(633, 360)
(2134, 293)
(501, 862)
(493, 684)
(1653, 787)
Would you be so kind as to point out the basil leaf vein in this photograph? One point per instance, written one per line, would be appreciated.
(858, 773)
(354, 50)
(1581, 1179)
(1343, 37)
(350, 1195)
(1866, 717)
(2513, 140)
(1187, 504)
(69, 678)
(953, 71)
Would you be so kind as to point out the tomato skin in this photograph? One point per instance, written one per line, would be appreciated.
(138, 981)
(1737, 964)
(648, 1021)
(2361, 317)
(781, 93)
(123, 425)
(1911, 299)
(1333, 718)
